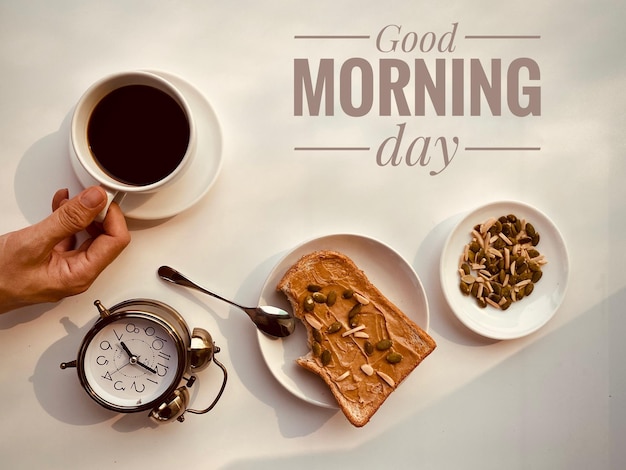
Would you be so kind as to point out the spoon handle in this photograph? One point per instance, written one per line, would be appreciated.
(171, 275)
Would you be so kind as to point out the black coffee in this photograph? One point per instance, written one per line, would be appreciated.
(138, 134)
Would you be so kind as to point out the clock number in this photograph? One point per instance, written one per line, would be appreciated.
(119, 337)
(104, 345)
(164, 356)
(131, 328)
(102, 361)
(149, 331)
(134, 385)
(107, 376)
(120, 386)
(161, 369)
(158, 343)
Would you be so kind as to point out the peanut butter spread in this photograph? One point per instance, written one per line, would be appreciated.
(361, 344)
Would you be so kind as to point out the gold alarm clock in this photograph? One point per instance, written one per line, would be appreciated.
(140, 355)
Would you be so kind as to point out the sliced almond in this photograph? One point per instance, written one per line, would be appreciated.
(353, 330)
(314, 322)
(506, 239)
(367, 369)
(478, 238)
(386, 378)
(343, 376)
(484, 228)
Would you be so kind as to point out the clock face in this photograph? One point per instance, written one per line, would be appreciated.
(131, 362)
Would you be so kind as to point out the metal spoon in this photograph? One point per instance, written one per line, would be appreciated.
(270, 320)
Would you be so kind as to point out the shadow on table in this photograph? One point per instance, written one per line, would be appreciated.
(59, 391)
(547, 406)
(44, 168)
(442, 320)
(249, 365)
(248, 362)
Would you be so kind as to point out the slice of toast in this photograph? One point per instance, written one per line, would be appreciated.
(361, 344)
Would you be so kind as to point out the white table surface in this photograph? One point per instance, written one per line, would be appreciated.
(553, 399)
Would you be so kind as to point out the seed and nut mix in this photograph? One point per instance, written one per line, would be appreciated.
(348, 326)
(501, 264)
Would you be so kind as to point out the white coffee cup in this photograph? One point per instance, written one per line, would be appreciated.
(81, 148)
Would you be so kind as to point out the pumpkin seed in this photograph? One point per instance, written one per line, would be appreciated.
(474, 290)
(331, 298)
(316, 348)
(313, 288)
(383, 344)
(317, 335)
(347, 294)
(393, 357)
(354, 310)
(497, 288)
(465, 289)
(326, 357)
(369, 348)
(529, 289)
(466, 268)
(318, 297)
(309, 304)
(334, 327)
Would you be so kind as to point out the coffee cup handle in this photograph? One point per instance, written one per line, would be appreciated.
(112, 196)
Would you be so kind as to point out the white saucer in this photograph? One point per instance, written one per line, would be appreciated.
(387, 270)
(529, 314)
(198, 177)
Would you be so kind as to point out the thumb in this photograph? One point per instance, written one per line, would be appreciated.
(73, 216)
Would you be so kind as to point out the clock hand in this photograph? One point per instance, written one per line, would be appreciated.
(148, 368)
(135, 359)
(125, 348)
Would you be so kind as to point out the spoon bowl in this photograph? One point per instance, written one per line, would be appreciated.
(272, 321)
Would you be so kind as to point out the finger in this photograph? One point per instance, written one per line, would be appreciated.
(61, 197)
(104, 248)
(58, 198)
(70, 217)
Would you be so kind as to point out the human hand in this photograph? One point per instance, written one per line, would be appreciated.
(40, 263)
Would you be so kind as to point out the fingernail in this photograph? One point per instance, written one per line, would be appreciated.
(92, 198)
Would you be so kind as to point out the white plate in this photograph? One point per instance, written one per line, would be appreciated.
(384, 267)
(530, 313)
(199, 176)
